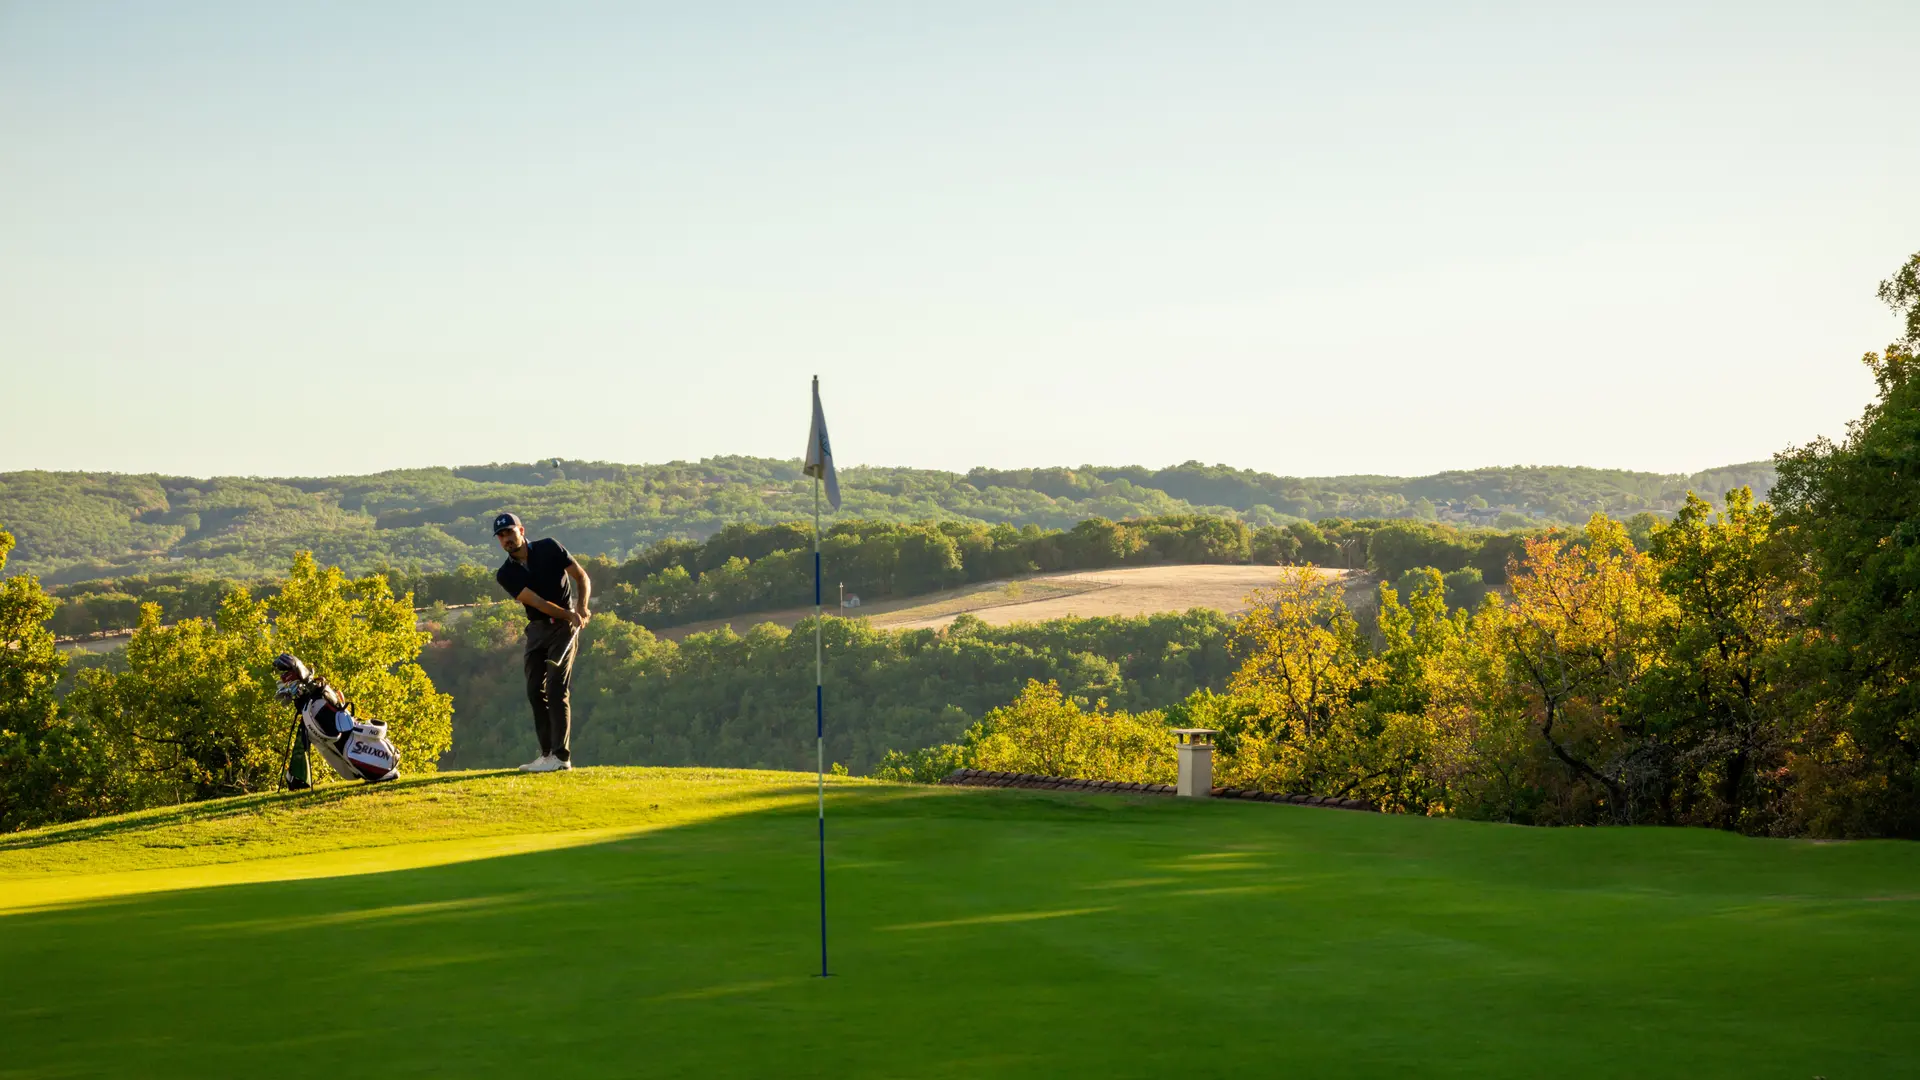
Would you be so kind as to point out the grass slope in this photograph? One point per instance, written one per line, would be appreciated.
(661, 923)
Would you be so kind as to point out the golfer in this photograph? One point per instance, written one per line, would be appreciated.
(553, 588)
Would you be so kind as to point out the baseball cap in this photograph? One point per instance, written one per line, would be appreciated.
(505, 521)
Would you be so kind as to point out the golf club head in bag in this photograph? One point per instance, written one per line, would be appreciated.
(354, 748)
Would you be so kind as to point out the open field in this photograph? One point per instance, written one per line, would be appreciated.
(1136, 590)
(661, 923)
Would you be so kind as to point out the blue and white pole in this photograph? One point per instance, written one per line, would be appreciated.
(820, 723)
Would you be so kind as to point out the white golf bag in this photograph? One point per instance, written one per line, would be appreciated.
(356, 749)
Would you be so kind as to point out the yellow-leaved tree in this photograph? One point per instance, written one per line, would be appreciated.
(1582, 630)
(1046, 732)
(1300, 687)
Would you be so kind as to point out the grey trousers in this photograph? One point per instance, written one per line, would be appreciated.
(549, 666)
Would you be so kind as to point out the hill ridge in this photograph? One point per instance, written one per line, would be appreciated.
(75, 526)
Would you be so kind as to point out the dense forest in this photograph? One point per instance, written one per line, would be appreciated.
(744, 569)
(747, 699)
(78, 527)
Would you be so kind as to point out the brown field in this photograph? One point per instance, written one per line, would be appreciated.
(1136, 590)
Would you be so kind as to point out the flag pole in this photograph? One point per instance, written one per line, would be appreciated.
(819, 713)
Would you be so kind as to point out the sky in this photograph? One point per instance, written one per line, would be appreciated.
(277, 239)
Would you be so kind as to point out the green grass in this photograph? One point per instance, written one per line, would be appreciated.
(660, 923)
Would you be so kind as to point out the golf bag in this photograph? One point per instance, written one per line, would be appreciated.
(356, 749)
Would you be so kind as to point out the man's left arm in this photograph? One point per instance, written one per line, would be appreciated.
(582, 589)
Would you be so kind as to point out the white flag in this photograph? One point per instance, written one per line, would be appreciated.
(820, 451)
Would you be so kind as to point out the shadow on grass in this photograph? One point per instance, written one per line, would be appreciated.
(729, 816)
(792, 801)
(219, 809)
(686, 951)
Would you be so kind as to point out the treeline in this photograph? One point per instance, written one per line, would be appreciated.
(115, 603)
(744, 569)
(75, 527)
(1506, 497)
(747, 568)
(722, 698)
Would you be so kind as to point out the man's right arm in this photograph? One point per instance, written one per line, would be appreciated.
(538, 603)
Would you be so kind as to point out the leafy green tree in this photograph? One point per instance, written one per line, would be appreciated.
(1400, 546)
(1714, 698)
(1097, 542)
(1274, 545)
(1395, 771)
(1465, 588)
(192, 713)
(1851, 511)
(364, 640)
(192, 716)
(1484, 760)
(51, 769)
(1311, 545)
(927, 764)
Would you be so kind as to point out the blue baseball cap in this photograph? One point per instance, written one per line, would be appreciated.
(505, 521)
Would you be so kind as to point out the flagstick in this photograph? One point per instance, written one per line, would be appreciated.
(820, 724)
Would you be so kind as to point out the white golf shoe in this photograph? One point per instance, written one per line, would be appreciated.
(538, 764)
(549, 764)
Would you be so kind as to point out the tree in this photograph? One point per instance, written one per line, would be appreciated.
(1273, 545)
(1046, 732)
(1306, 664)
(1714, 695)
(193, 715)
(1483, 756)
(1580, 634)
(364, 640)
(1400, 546)
(51, 769)
(1850, 511)
(1401, 730)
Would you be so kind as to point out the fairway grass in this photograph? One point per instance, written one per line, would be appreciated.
(663, 923)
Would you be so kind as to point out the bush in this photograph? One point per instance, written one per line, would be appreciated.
(1044, 731)
(925, 766)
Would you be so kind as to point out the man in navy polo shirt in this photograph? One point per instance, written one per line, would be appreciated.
(553, 588)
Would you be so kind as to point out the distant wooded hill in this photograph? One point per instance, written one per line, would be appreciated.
(80, 526)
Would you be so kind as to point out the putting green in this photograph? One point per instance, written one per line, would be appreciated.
(639, 922)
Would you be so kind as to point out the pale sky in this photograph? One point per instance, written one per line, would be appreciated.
(278, 239)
